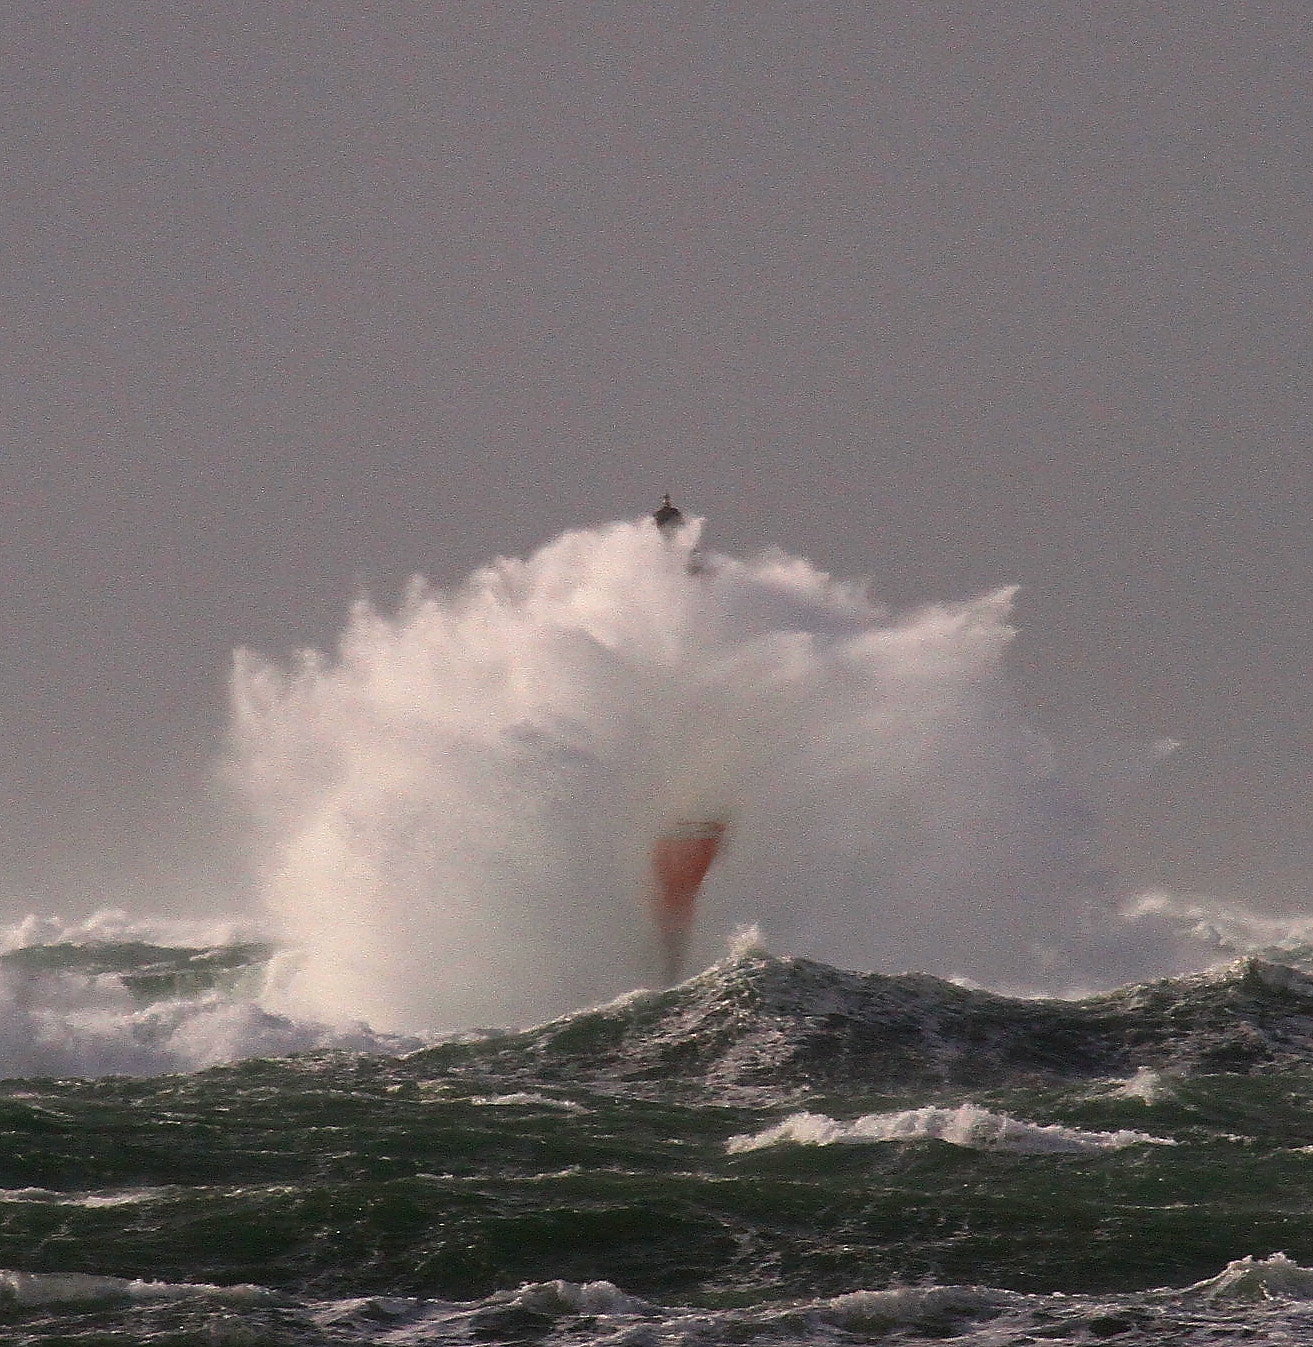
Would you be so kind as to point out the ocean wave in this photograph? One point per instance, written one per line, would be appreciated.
(114, 926)
(1250, 1279)
(31, 1289)
(753, 1028)
(527, 1098)
(46, 1196)
(966, 1125)
(123, 1006)
(1258, 1299)
(762, 1030)
(98, 1035)
(910, 1307)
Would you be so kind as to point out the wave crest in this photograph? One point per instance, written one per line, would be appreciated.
(967, 1125)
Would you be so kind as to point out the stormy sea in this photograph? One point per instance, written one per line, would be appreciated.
(773, 1151)
(435, 1090)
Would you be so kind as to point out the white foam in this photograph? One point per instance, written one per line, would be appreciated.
(124, 1198)
(883, 1311)
(1146, 1085)
(464, 796)
(30, 1289)
(64, 1022)
(1215, 928)
(112, 925)
(1259, 1298)
(966, 1125)
(57, 1024)
(528, 1097)
(564, 1297)
(1252, 1279)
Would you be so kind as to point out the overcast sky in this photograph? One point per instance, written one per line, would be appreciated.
(300, 298)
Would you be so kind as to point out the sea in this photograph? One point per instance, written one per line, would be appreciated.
(417, 1101)
(774, 1151)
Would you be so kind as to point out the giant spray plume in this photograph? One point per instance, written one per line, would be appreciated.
(464, 799)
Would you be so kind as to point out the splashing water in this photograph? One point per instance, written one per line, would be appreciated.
(966, 1125)
(464, 799)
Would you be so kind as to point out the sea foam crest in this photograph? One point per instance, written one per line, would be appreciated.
(566, 1297)
(68, 1006)
(112, 925)
(56, 1027)
(911, 1306)
(1251, 1279)
(527, 1099)
(29, 1289)
(1146, 1085)
(966, 1125)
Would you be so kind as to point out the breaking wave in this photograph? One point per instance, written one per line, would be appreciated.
(1251, 1299)
(114, 996)
(461, 800)
(966, 1125)
(460, 805)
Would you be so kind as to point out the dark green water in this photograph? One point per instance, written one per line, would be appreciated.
(409, 1198)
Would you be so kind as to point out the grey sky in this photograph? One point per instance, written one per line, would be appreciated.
(299, 297)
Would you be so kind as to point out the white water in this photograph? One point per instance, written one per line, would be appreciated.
(1146, 1085)
(56, 1022)
(29, 1289)
(461, 799)
(967, 1125)
(1252, 1299)
(63, 1025)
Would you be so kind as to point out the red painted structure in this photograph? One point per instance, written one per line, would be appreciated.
(681, 858)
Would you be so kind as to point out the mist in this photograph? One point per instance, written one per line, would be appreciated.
(460, 801)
